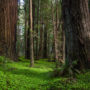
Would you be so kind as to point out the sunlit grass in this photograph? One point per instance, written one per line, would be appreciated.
(20, 76)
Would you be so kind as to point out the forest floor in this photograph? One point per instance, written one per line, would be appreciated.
(19, 76)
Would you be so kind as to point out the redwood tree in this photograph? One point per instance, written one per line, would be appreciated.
(8, 20)
(77, 32)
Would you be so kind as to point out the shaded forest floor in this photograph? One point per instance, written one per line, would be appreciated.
(19, 76)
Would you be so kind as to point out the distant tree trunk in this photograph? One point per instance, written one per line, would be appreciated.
(45, 43)
(37, 41)
(8, 20)
(55, 35)
(41, 41)
(31, 37)
(27, 45)
(63, 45)
(77, 32)
(25, 31)
(27, 34)
(34, 23)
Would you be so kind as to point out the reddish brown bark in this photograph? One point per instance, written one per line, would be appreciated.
(8, 20)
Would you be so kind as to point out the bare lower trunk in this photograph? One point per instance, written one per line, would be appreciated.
(27, 35)
(77, 32)
(31, 37)
(41, 42)
(55, 35)
(8, 20)
(37, 40)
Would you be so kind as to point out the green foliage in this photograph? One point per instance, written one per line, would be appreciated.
(69, 69)
(2, 81)
(4, 60)
(22, 59)
(19, 76)
(82, 82)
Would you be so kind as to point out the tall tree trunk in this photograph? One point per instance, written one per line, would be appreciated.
(34, 18)
(8, 12)
(41, 41)
(37, 41)
(31, 37)
(63, 45)
(77, 32)
(27, 33)
(55, 35)
(45, 43)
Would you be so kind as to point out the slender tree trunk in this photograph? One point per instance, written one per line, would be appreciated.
(27, 33)
(41, 41)
(31, 37)
(63, 45)
(45, 43)
(55, 35)
(34, 22)
(37, 41)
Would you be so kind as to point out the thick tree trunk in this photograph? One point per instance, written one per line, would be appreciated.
(77, 32)
(8, 20)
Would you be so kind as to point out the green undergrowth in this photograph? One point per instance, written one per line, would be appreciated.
(19, 76)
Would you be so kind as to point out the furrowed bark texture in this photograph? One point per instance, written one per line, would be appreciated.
(77, 31)
(8, 20)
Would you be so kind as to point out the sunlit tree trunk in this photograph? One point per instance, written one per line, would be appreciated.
(31, 37)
